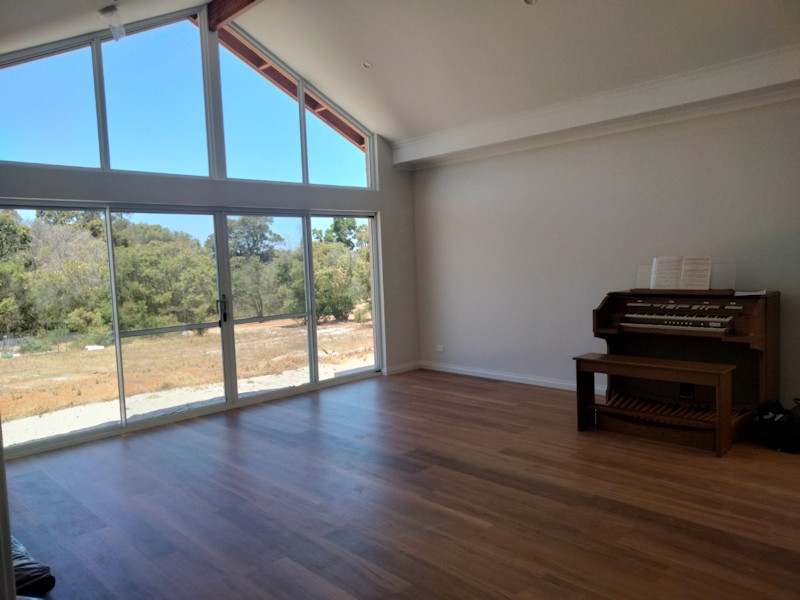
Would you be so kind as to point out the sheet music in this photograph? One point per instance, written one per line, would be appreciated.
(696, 273)
(681, 272)
(666, 273)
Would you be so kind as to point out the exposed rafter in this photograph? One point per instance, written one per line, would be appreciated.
(250, 55)
(222, 12)
(241, 48)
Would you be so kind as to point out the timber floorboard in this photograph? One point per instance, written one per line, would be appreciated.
(415, 486)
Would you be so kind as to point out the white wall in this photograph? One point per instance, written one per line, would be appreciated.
(514, 252)
(392, 201)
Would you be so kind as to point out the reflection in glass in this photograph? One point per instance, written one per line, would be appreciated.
(169, 372)
(342, 250)
(57, 358)
(48, 111)
(155, 101)
(271, 355)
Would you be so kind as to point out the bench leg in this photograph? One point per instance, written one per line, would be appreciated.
(724, 399)
(585, 386)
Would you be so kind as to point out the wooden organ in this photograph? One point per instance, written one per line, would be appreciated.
(656, 330)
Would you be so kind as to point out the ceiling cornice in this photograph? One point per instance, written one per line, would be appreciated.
(754, 81)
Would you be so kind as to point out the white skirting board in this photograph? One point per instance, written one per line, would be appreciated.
(559, 384)
(411, 366)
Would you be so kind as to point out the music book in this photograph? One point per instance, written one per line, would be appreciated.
(681, 273)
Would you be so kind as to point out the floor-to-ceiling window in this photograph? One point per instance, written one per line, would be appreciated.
(298, 309)
(268, 279)
(58, 368)
(111, 314)
(343, 288)
(167, 291)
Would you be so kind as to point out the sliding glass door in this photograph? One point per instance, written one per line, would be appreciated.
(112, 316)
(270, 316)
(58, 367)
(167, 291)
(343, 288)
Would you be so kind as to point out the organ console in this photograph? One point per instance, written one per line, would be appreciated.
(664, 326)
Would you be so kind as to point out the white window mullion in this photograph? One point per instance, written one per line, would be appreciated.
(301, 103)
(311, 301)
(212, 85)
(227, 332)
(100, 103)
(123, 411)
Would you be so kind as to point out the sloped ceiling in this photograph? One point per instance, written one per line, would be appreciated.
(438, 65)
(27, 23)
(443, 64)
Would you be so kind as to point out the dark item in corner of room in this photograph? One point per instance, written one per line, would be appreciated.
(32, 578)
(777, 427)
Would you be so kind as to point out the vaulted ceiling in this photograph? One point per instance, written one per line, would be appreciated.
(439, 65)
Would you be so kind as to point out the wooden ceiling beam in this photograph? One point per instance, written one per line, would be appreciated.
(286, 83)
(222, 12)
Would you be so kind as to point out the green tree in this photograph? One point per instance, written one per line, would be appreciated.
(253, 236)
(14, 235)
(89, 220)
(254, 290)
(69, 271)
(333, 280)
(165, 282)
(343, 230)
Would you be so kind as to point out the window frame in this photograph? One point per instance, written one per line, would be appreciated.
(233, 400)
(212, 86)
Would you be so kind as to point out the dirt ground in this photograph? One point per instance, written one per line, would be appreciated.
(35, 384)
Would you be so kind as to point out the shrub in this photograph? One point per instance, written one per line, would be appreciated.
(32, 345)
(56, 336)
(93, 338)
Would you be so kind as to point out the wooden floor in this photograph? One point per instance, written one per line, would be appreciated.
(421, 485)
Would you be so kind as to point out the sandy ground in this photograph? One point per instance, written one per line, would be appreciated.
(151, 404)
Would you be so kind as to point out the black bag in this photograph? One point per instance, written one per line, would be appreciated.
(777, 427)
(31, 577)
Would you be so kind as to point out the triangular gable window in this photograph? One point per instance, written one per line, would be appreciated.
(261, 123)
(157, 102)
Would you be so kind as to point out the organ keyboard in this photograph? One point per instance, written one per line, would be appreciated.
(718, 314)
(710, 326)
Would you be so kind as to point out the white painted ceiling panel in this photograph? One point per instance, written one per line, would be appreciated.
(445, 64)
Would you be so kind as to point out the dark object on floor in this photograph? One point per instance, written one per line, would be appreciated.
(32, 577)
(777, 427)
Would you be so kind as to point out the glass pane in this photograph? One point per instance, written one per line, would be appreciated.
(170, 372)
(336, 153)
(261, 120)
(57, 359)
(267, 271)
(271, 355)
(343, 287)
(50, 117)
(155, 101)
(166, 269)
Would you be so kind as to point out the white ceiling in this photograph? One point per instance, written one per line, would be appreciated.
(27, 23)
(445, 64)
(442, 64)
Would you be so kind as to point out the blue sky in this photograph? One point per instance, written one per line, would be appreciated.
(156, 114)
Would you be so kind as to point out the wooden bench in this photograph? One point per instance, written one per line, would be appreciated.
(716, 426)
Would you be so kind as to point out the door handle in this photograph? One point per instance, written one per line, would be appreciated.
(222, 310)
